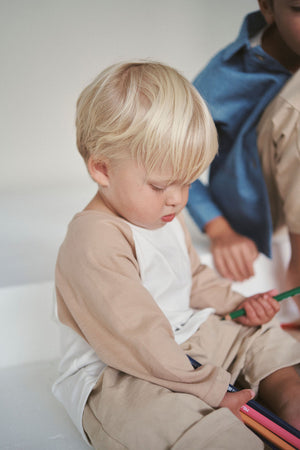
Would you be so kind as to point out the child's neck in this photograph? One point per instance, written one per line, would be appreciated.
(97, 204)
(273, 44)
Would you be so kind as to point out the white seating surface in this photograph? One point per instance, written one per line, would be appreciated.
(31, 418)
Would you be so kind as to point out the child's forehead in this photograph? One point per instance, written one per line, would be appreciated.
(165, 177)
(161, 176)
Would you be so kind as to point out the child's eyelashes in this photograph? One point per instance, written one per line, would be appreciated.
(157, 188)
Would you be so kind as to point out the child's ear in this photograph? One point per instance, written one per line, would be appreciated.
(266, 9)
(99, 171)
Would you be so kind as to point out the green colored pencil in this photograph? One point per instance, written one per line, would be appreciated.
(279, 297)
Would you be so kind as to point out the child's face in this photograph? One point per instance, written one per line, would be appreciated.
(286, 15)
(146, 202)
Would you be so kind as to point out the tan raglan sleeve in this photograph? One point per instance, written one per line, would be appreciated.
(209, 289)
(100, 295)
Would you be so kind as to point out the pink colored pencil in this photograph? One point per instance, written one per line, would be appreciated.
(270, 425)
(263, 431)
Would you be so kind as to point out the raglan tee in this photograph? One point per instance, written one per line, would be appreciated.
(127, 297)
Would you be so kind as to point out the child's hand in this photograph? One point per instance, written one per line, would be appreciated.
(235, 400)
(260, 308)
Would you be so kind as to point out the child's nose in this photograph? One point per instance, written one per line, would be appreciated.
(174, 196)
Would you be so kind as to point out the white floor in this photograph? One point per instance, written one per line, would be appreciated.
(30, 417)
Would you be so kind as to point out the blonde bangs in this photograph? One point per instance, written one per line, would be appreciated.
(181, 139)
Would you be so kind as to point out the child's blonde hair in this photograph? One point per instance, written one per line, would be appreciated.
(149, 112)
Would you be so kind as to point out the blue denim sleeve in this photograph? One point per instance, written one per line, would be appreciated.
(200, 204)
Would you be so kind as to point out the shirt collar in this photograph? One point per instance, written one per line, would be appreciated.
(252, 24)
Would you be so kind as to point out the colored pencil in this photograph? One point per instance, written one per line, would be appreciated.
(290, 325)
(270, 425)
(260, 429)
(279, 297)
(287, 431)
(269, 415)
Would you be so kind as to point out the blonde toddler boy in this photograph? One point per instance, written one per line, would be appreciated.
(133, 297)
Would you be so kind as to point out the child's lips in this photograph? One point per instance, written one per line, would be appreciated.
(168, 218)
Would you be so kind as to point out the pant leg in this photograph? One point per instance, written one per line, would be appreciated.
(273, 349)
(124, 412)
(253, 352)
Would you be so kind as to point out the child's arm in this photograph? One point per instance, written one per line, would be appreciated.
(260, 308)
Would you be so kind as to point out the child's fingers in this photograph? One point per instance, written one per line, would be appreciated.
(269, 306)
(275, 306)
(266, 307)
(235, 400)
(258, 306)
(269, 294)
(249, 394)
(251, 317)
(272, 292)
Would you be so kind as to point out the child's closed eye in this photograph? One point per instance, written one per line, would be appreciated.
(157, 188)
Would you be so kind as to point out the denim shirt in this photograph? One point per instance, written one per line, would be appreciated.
(237, 84)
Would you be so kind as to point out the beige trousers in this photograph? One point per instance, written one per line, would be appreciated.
(124, 412)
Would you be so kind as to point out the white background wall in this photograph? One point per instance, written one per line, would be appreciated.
(48, 52)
